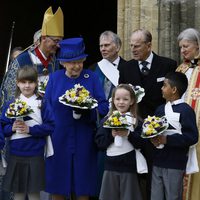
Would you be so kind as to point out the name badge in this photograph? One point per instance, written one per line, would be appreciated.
(160, 79)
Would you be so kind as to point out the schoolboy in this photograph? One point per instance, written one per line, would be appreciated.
(169, 163)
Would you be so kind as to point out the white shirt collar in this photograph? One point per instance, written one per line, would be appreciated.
(116, 61)
(178, 101)
(22, 97)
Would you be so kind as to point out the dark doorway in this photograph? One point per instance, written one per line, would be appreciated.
(81, 18)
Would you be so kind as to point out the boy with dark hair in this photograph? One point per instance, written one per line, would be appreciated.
(172, 161)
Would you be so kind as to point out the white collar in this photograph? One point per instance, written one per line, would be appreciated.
(22, 97)
(178, 101)
(116, 61)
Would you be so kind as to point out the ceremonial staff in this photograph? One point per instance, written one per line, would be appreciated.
(4, 162)
(7, 65)
(9, 49)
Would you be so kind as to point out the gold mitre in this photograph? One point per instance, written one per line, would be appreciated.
(53, 24)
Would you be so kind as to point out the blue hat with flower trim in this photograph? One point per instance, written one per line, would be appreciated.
(71, 49)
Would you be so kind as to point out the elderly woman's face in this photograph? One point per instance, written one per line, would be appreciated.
(188, 49)
(73, 68)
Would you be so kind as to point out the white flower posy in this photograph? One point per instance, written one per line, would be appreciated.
(18, 108)
(78, 97)
(139, 92)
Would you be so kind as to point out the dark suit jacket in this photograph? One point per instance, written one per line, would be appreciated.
(160, 66)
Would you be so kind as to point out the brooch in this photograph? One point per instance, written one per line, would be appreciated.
(86, 76)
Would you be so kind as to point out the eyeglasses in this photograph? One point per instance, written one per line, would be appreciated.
(54, 40)
(139, 45)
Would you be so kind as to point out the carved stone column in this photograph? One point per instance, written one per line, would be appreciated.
(134, 14)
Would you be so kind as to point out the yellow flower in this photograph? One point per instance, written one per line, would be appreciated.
(153, 125)
(79, 96)
(18, 108)
(116, 121)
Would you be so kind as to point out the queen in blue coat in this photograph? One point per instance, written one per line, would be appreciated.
(73, 167)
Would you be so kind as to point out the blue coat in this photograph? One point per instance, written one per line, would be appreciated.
(73, 167)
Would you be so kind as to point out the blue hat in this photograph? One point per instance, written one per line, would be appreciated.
(71, 49)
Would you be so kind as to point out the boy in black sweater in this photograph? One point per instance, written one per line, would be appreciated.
(170, 163)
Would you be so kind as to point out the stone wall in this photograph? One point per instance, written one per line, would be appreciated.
(165, 19)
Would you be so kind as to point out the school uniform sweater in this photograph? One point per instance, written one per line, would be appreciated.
(34, 144)
(174, 155)
(124, 162)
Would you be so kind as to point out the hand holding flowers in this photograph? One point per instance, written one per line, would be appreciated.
(78, 97)
(120, 126)
(159, 141)
(118, 135)
(117, 120)
(153, 126)
(19, 126)
(18, 110)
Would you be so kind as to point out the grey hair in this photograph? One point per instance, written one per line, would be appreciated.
(190, 34)
(147, 35)
(37, 36)
(115, 38)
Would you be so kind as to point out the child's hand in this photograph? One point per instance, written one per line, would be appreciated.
(24, 129)
(119, 132)
(16, 125)
(155, 141)
(160, 139)
(20, 126)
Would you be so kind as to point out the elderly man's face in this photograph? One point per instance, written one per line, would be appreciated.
(139, 47)
(109, 50)
(50, 44)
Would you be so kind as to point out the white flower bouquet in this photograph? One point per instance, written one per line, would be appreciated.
(18, 109)
(78, 97)
(42, 86)
(118, 120)
(153, 126)
(139, 92)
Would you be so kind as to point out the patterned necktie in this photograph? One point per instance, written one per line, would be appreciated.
(145, 69)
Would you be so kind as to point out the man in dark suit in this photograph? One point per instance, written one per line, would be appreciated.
(107, 68)
(147, 70)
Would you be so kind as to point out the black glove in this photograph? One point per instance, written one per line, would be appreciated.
(81, 111)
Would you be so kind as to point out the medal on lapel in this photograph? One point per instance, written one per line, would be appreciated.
(45, 62)
(45, 71)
